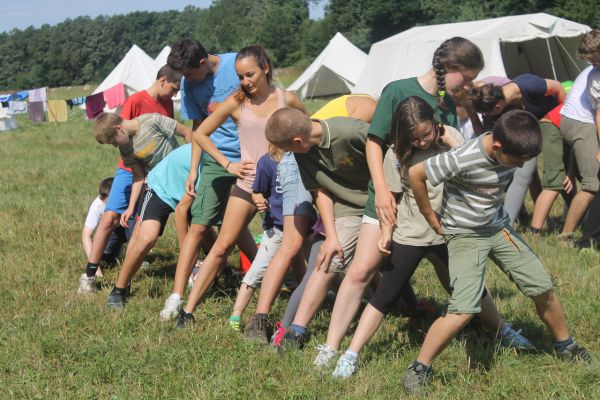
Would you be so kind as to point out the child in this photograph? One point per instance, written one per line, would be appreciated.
(476, 226)
(113, 247)
(415, 136)
(143, 142)
(266, 194)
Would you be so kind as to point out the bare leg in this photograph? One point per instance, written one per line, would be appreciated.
(187, 255)
(242, 300)
(579, 207)
(443, 330)
(314, 295)
(550, 311)
(108, 222)
(542, 208)
(147, 236)
(182, 217)
(364, 265)
(369, 322)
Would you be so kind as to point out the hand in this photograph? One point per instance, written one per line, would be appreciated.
(190, 183)
(433, 219)
(329, 248)
(385, 205)
(125, 218)
(260, 202)
(568, 184)
(384, 243)
(241, 169)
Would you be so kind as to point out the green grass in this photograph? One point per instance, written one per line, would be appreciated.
(57, 345)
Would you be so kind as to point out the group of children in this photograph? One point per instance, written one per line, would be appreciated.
(394, 182)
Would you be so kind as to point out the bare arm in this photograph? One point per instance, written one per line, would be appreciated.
(293, 101)
(136, 189)
(86, 240)
(556, 89)
(385, 239)
(190, 182)
(418, 184)
(183, 131)
(331, 245)
(385, 204)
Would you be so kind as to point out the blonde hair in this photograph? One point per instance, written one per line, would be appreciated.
(275, 152)
(104, 127)
(285, 124)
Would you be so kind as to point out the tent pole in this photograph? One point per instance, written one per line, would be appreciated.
(551, 60)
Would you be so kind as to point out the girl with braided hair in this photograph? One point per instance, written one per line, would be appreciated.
(456, 62)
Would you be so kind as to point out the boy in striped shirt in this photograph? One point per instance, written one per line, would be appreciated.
(475, 226)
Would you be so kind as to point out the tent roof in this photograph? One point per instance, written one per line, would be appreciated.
(341, 57)
(136, 70)
(161, 58)
(387, 58)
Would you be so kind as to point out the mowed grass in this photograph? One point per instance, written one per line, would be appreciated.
(55, 344)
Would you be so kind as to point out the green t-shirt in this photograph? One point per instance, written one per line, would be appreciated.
(392, 95)
(339, 164)
(154, 139)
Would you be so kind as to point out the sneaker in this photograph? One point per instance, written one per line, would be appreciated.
(416, 378)
(183, 319)
(86, 284)
(235, 326)
(294, 339)
(325, 356)
(567, 239)
(145, 265)
(513, 339)
(116, 298)
(193, 275)
(256, 328)
(278, 335)
(172, 306)
(574, 353)
(345, 367)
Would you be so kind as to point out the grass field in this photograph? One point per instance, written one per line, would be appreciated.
(55, 344)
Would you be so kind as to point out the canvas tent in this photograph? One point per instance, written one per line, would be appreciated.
(161, 58)
(334, 71)
(136, 70)
(538, 43)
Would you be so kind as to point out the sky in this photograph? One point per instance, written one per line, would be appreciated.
(21, 14)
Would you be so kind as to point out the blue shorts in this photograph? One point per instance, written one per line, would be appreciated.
(296, 199)
(118, 199)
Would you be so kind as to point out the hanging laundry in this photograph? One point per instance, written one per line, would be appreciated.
(17, 107)
(57, 111)
(78, 100)
(70, 104)
(37, 95)
(94, 105)
(4, 98)
(115, 95)
(36, 111)
(22, 95)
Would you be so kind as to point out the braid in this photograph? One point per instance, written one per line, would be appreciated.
(440, 77)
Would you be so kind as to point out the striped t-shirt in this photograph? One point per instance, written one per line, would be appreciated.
(474, 188)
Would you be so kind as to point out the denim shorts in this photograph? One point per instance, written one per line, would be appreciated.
(296, 199)
(120, 191)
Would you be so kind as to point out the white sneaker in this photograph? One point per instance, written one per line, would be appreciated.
(325, 356)
(346, 366)
(194, 274)
(86, 284)
(172, 307)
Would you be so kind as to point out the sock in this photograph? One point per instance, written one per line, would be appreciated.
(561, 345)
(416, 364)
(119, 290)
(351, 354)
(299, 329)
(90, 269)
(235, 318)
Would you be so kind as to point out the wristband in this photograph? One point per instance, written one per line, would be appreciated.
(227, 166)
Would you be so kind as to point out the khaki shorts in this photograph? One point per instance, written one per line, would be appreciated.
(347, 229)
(553, 167)
(468, 254)
(212, 194)
(583, 139)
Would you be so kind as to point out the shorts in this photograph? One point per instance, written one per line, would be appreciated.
(271, 240)
(553, 166)
(583, 139)
(118, 198)
(347, 229)
(370, 220)
(296, 199)
(468, 254)
(153, 208)
(212, 194)
(241, 194)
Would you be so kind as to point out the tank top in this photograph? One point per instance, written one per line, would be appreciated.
(253, 143)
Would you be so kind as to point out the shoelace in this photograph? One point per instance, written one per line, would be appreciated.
(324, 355)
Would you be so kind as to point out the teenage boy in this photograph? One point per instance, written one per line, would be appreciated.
(143, 142)
(476, 226)
(156, 99)
(209, 79)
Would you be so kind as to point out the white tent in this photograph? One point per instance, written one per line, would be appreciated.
(334, 71)
(137, 70)
(537, 43)
(161, 58)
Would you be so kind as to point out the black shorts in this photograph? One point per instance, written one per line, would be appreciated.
(153, 208)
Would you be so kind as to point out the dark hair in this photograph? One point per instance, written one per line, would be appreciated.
(105, 186)
(169, 73)
(519, 133)
(456, 53)
(262, 59)
(410, 113)
(186, 53)
(589, 48)
(485, 98)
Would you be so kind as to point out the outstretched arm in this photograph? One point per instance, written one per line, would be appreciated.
(136, 189)
(183, 131)
(418, 184)
(331, 245)
(385, 204)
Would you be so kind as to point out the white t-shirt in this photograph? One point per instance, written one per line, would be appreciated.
(578, 105)
(594, 88)
(94, 214)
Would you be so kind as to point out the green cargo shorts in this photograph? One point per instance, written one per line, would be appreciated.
(553, 167)
(209, 205)
(468, 254)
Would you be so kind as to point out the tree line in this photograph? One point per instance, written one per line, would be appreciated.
(84, 50)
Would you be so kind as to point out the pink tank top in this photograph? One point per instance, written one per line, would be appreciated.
(253, 143)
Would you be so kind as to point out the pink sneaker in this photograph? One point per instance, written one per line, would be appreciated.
(278, 335)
